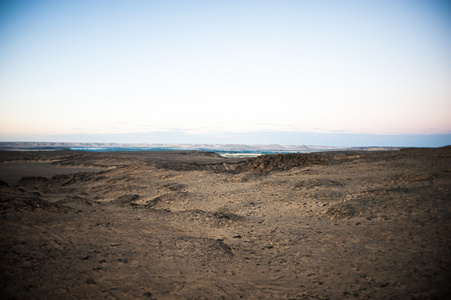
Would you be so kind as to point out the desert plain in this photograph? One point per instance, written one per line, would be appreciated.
(195, 225)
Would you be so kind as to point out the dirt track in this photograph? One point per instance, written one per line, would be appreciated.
(192, 225)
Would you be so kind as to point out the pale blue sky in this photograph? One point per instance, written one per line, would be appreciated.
(87, 69)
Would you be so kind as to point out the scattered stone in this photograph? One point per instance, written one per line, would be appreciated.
(344, 211)
(312, 183)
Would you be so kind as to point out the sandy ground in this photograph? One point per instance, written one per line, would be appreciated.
(193, 225)
(12, 172)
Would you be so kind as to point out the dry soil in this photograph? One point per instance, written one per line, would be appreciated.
(193, 225)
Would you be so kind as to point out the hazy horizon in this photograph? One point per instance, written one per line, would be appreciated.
(256, 138)
(336, 73)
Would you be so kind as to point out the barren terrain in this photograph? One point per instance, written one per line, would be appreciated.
(194, 225)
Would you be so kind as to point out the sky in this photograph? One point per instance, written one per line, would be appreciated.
(292, 72)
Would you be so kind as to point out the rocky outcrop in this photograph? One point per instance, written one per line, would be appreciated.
(278, 162)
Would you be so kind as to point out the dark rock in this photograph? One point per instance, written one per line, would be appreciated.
(127, 199)
(153, 202)
(32, 182)
(312, 183)
(75, 200)
(277, 162)
(226, 248)
(21, 202)
(227, 216)
(174, 187)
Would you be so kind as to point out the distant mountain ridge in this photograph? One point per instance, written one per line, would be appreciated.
(221, 148)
